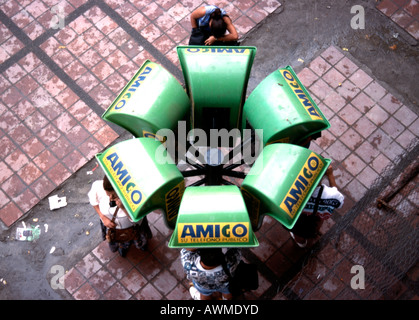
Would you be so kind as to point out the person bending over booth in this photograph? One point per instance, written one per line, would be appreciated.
(324, 200)
(204, 268)
(209, 26)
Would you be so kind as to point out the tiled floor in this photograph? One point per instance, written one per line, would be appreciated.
(403, 12)
(370, 130)
(56, 83)
(62, 64)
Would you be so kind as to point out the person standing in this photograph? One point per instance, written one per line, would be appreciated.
(324, 200)
(113, 216)
(209, 27)
(204, 267)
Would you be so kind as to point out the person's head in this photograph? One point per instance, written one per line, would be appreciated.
(211, 257)
(107, 186)
(217, 24)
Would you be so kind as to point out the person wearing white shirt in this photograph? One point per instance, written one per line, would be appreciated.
(105, 201)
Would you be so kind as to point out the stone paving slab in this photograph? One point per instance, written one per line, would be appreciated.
(405, 13)
(370, 130)
(56, 82)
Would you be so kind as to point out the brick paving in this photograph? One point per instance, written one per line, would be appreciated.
(370, 129)
(56, 83)
(403, 12)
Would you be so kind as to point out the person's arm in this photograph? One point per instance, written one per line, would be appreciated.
(106, 221)
(331, 177)
(231, 36)
(198, 13)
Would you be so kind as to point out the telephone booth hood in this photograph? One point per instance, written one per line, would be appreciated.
(281, 181)
(141, 180)
(213, 216)
(152, 100)
(283, 108)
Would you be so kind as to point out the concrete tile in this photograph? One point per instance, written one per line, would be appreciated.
(334, 78)
(102, 281)
(16, 160)
(88, 266)
(179, 293)
(351, 139)
(375, 91)
(149, 292)
(367, 152)
(332, 286)
(368, 176)
(380, 163)
(133, 281)
(365, 127)
(164, 282)
(119, 266)
(74, 161)
(349, 114)
(45, 160)
(332, 55)
(338, 150)
(319, 66)
(348, 90)
(61, 147)
(32, 147)
(377, 115)
(405, 115)
(338, 126)
(10, 213)
(73, 279)
(387, 7)
(393, 127)
(86, 292)
(58, 174)
(413, 29)
(307, 77)
(321, 89)
(354, 164)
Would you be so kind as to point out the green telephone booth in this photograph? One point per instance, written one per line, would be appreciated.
(142, 181)
(281, 181)
(152, 100)
(213, 216)
(216, 80)
(282, 107)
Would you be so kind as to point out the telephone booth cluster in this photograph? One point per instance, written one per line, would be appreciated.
(169, 122)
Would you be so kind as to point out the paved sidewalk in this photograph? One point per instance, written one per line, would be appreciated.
(405, 13)
(370, 130)
(56, 83)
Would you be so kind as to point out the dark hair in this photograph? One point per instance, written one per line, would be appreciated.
(211, 257)
(107, 185)
(218, 25)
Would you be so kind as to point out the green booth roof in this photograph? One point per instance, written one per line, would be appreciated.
(283, 108)
(213, 216)
(216, 80)
(152, 100)
(281, 181)
(141, 180)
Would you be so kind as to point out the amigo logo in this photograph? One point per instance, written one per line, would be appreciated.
(218, 50)
(131, 88)
(173, 198)
(305, 101)
(124, 181)
(301, 185)
(232, 232)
